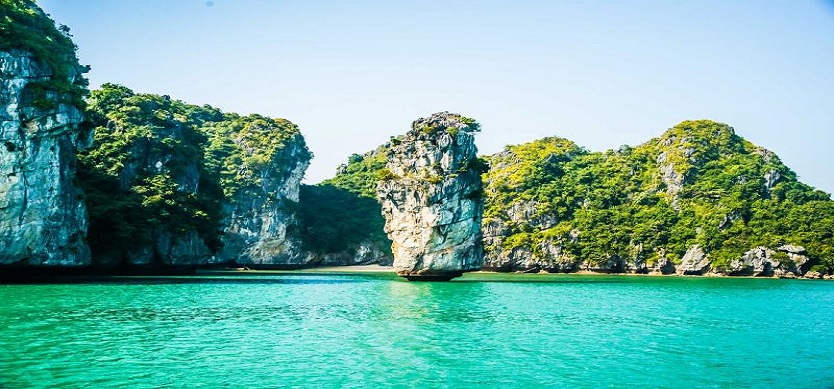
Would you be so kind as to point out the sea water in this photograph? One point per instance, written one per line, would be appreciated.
(372, 330)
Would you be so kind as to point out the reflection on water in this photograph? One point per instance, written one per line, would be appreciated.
(379, 330)
(432, 302)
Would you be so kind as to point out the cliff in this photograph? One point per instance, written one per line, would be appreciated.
(174, 184)
(42, 216)
(697, 200)
(431, 198)
(263, 161)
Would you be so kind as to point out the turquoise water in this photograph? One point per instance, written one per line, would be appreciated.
(369, 330)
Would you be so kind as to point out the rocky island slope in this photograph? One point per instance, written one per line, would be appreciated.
(174, 184)
(697, 200)
(341, 220)
(165, 184)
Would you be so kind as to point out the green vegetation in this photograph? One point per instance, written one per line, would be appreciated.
(473, 125)
(625, 203)
(24, 26)
(430, 126)
(242, 149)
(361, 173)
(129, 197)
(334, 220)
(341, 213)
(161, 165)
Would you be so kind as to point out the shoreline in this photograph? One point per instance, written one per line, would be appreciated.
(32, 276)
(380, 269)
(304, 270)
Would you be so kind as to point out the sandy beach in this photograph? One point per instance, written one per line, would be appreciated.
(350, 269)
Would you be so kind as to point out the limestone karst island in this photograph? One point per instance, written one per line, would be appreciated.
(151, 240)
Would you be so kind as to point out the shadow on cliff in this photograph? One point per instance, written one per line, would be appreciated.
(117, 220)
(129, 222)
(335, 220)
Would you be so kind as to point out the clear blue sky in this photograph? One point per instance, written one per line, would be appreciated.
(601, 73)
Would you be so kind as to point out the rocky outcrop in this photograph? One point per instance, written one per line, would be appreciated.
(786, 261)
(662, 266)
(549, 255)
(766, 262)
(432, 199)
(672, 179)
(797, 260)
(756, 262)
(260, 226)
(611, 264)
(167, 249)
(43, 220)
(694, 262)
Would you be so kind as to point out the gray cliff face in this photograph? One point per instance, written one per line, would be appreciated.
(169, 249)
(786, 261)
(260, 226)
(42, 215)
(432, 200)
(674, 180)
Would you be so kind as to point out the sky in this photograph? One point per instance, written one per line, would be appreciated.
(351, 74)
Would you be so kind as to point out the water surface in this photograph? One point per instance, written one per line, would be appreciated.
(366, 330)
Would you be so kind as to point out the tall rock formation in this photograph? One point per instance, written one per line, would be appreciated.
(42, 215)
(431, 196)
